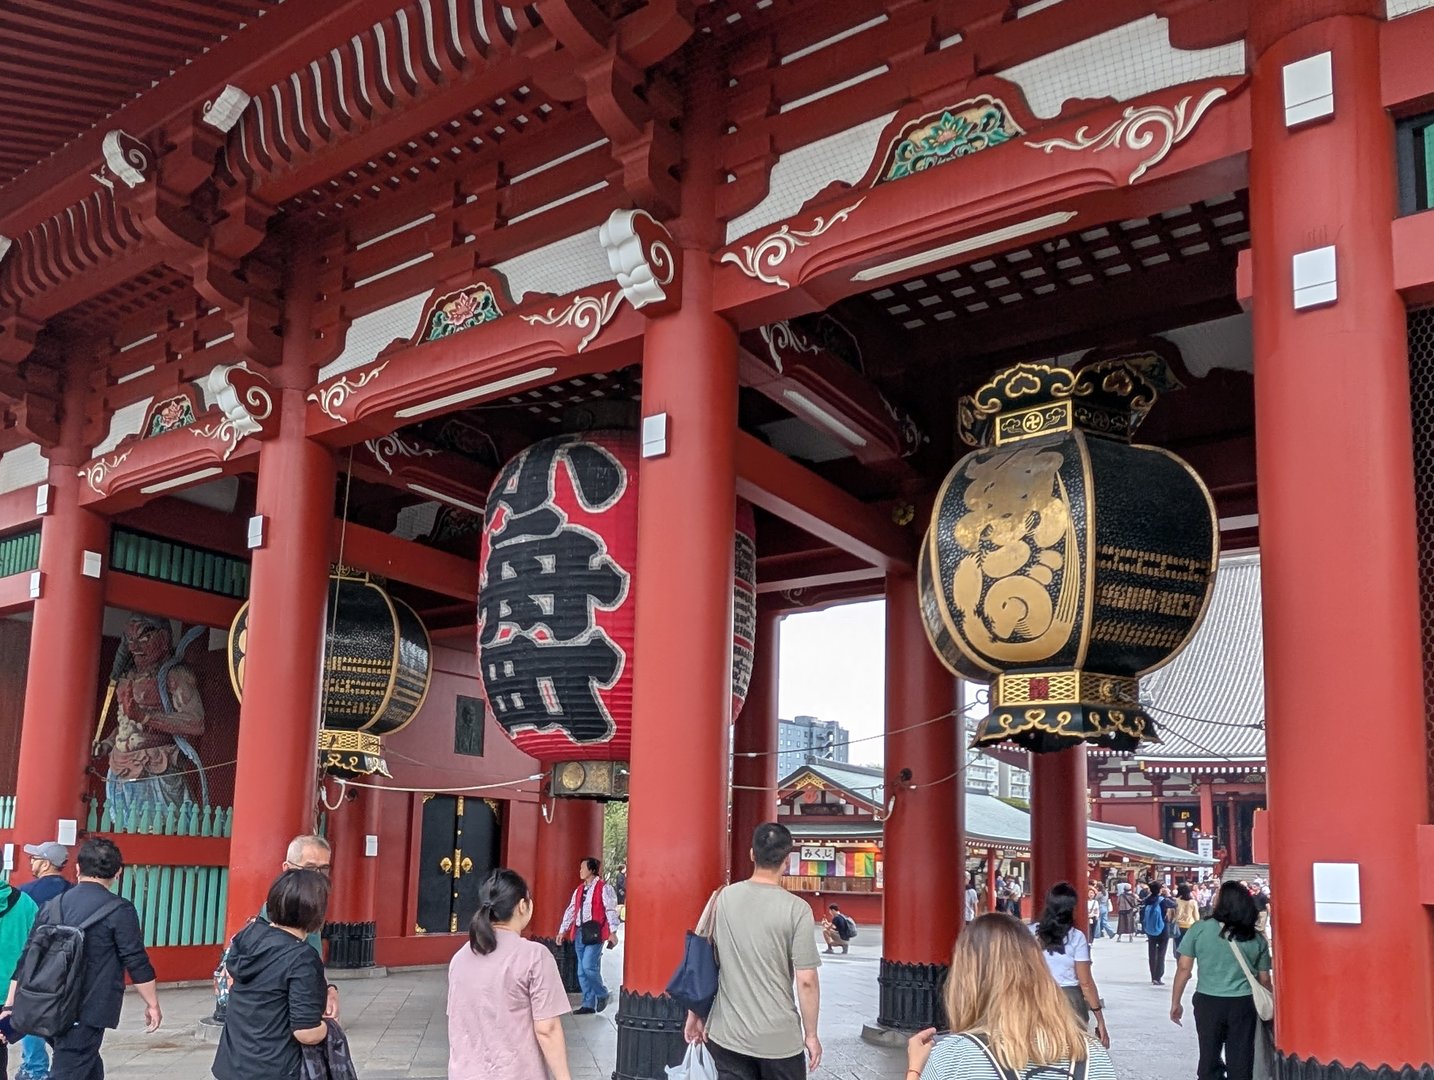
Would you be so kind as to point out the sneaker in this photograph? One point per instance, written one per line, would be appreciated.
(602, 1004)
(583, 1011)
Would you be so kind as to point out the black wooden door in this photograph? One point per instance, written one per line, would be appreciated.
(460, 845)
(435, 864)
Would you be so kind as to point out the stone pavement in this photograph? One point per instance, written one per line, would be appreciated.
(398, 1030)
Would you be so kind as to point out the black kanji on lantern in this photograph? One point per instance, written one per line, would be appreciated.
(544, 658)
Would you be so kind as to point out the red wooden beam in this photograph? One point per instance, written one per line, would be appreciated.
(1414, 255)
(812, 569)
(169, 601)
(405, 561)
(771, 480)
(17, 508)
(15, 594)
(1406, 79)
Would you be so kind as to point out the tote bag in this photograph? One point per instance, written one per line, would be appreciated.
(694, 984)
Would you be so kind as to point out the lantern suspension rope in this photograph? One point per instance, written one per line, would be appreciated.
(333, 627)
(343, 783)
(1258, 724)
(867, 738)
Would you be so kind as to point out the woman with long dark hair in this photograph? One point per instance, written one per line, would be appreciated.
(1225, 1018)
(277, 998)
(1007, 1015)
(1187, 912)
(1066, 951)
(505, 996)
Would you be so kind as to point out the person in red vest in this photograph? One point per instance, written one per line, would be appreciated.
(592, 922)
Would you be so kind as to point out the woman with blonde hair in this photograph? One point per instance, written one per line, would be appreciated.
(1008, 1017)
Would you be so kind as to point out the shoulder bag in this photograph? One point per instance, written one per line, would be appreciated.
(694, 984)
(1263, 996)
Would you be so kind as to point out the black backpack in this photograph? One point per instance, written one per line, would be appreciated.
(846, 929)
(51, 979)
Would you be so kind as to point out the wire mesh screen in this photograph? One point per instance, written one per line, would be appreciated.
(14, 664)
(1421, 392)
(166, 730)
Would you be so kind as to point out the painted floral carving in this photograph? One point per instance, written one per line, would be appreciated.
(463, 310)
(760, 260)
(331, 397)
(1154, 128)
(170, 415)
(95, 472)
(940, 138)
(587, 313)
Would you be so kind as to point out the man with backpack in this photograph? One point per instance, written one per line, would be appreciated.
(1157, 920)
(69, 984)
(17, 914)
(837, 929)
(47, 863)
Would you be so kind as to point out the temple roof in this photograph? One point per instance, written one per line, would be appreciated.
(859, 780)
(1209, 702)
(989, 822)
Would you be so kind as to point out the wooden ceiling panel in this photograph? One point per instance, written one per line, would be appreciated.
(65, 67)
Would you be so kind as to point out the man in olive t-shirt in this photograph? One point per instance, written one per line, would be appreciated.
(765, 941)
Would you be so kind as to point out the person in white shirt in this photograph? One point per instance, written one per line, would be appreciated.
(592, 922)
(1066, 950)
(973, 898)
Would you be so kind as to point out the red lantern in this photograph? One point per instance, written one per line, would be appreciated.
(556, 606)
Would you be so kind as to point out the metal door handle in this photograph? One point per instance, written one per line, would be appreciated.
(446, 865)
(465, 867)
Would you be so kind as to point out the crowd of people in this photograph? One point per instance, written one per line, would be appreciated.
(1021, 997)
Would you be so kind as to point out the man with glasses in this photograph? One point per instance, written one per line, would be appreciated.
(307, 852)
(46, 864)
(113, 947)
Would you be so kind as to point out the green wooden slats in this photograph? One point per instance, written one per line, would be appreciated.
(183, 564)
(19, 553)
(187, 820)
(7, 811)
(178, 905)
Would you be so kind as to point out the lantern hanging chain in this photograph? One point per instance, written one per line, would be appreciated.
(1256, 724)
(321, 787)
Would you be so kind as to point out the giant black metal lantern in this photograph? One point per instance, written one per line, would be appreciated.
(377, 667)
(1062, 563)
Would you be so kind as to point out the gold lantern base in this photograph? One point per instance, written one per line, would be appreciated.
(351, 753)
(1049, 710)
(602, 780)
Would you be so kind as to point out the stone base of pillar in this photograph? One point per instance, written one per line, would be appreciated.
(649, 1036)
(911, 996)
(566, 954)
(351, 945)
(1290, 1067)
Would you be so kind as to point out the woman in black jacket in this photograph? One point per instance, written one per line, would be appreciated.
(276, 1003)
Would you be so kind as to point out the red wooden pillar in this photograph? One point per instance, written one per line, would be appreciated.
(278, 721)
(921, 906)
(754, 779)
(682, 693)
(1207, 807)
(351, 927)
(1341, 605)
(990, 879)
(66, 629)
(574, 833)
(1058, 826)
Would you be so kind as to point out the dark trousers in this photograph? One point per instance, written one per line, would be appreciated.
(734, 1066)
(1157, 956)
(77, 1054)
(1228, 1024)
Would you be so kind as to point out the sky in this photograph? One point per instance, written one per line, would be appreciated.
(833, 667)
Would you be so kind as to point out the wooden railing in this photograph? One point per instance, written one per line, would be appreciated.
(178, 905)
(829, 884)
(19, 552)
(187, 820)
(164, 560)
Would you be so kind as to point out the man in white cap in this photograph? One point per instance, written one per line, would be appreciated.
(47, 863)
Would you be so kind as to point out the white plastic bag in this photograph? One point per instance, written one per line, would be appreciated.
(697, 1064)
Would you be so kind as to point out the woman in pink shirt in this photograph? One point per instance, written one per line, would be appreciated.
(505, 996)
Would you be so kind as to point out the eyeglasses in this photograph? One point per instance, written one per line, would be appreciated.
(320, 868)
